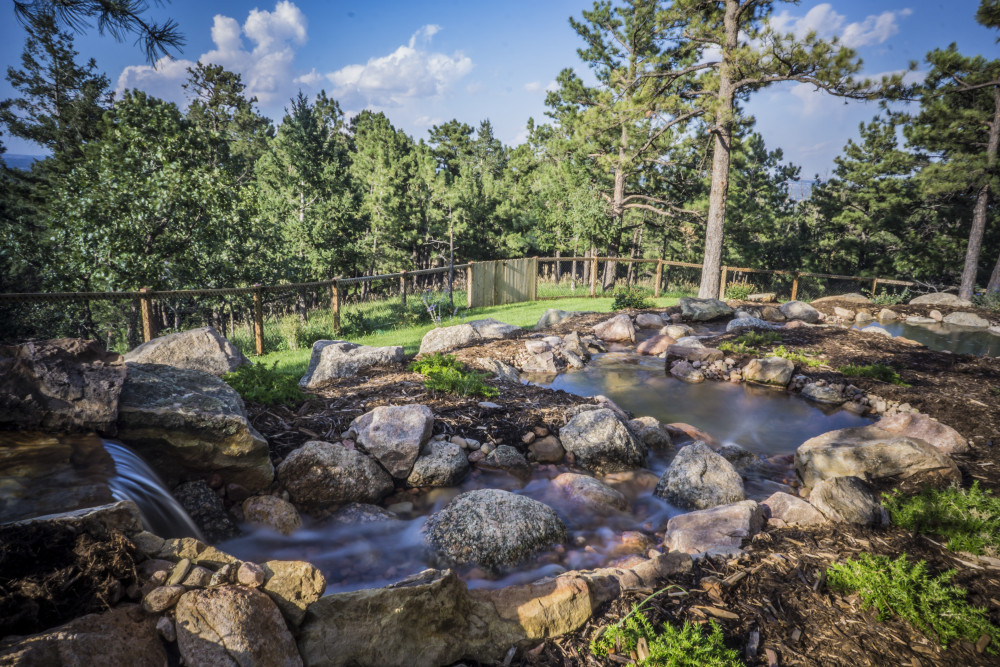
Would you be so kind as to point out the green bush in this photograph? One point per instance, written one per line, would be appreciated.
(987, 301)
(687, 646)
(874, 371)
(446, 373)
(968, 519)
(804, 358)
(636, 298)
(931, 604)
(267, 385)
(290, 327)
(740, 291)
(757, 338)
(887, 298)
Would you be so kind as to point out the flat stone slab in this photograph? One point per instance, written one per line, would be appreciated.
(720, 530)
(203, 349)
(332, 359)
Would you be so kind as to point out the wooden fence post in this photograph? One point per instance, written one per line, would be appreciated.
(722, 282)
(468, 285)
(148, 323)
(659, 278)
(402, 289)
(335, 304)
(795, 286)
(258, 320)
(534, 283)
(593, 276)
(874, 285)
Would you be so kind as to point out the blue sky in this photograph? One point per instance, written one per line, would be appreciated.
(425, 62)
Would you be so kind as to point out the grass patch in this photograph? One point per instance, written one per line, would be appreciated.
(446, 373)
(875, 371)
(968, 519)
(740, 290)
(749, 342)
(900, 588)
(266, 384)
(685, 646)
(803, 357)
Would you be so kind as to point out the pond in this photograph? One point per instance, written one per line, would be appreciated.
(946, 337)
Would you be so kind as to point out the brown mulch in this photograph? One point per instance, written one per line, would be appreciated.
(50, 575)
(904, 310)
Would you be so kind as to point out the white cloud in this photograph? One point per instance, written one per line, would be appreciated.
(267, 68)
(826, 22)
(411, 71)
(533, 86)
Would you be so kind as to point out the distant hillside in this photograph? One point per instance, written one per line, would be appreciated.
(19, 160)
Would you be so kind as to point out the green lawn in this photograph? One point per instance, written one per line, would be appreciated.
(520, 314)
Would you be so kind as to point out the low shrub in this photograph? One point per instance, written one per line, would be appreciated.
(875, 371)
(446, 373)
(987, 301)
(737, 348)
(740, 291)
(887, 298)
(803, 358)
(929, 603)
(969, 519)
(684, 646)
(636, 298)
(262, 384)
(757, 338)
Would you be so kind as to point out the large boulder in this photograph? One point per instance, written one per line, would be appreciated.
(207, 510)
(720, 530)
(692, 353)
(698, 478)
(333, 359)
(797, 310)
(441, 464)
(601, 443)
(652, 433)
(852, 297)
(503, 372)
(273, 512)
(618, 329)
(702, 310)
(872, 453)
(656, 345)
(823, 393)
(749, 323)
(202, 349)
(966, 320)
(848, 500)
(686, 372)
(60, 385)
(319, 475)
(120, 637)
(769, 370)
(940, 299)
(554, 316)
(190, 423)
(394, 435)
(493, 529)
(233, 625)
(649, 321)
(446, 339)
(791, 511)
(590, 493)
(926, 428)
(491, 329)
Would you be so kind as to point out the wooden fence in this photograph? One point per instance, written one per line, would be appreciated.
(502, 281)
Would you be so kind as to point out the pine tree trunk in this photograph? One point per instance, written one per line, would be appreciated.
(994, 284)
(723, 131)
(979, 213)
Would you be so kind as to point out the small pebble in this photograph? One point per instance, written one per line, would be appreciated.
(250, 575)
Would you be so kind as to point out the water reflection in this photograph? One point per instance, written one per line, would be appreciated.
(946, 337)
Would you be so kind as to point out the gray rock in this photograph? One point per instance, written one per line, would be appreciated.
(797, 310)
(705, 355)
(769, 370)
(698, 478)
(491, 329)
(554, 316)
(720, 530)
(274, 512)
(848, 500)
(493, 528)
(394, 435)
(763, 297)
(923, 427)
(60, 385)
(748, 323)
(863, 316)
(602, 443)
(742, 460)
(792, 510)
(293, 585)
(547, 449)
(940, 299)
(872, 453)
(201, 349)
(917, 319)
(226, 625)
(189, 423)
(207, 510)
(877, 331)
(544, 362)
(353, 514)
(967, 320)
(676, 331)
(771, 314)
(887, 315)
(590, 493)
(162, 598)
(509, 460)
(651, 433)
(852, 297)
(332, 359)
(441, 464)
(690, 341)
(572, 342)
(319, 475)
(446, 339)
(617, 329)
(823, 394)
(503, 372)
(684, 371)
(702, 310)
(648, 321)
(656, 345)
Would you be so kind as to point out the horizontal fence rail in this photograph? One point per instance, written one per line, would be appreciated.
(266, 317)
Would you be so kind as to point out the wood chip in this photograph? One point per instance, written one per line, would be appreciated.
(796, 634)
(753, 644)
(734, 579)
(719, 613)
(983, 642)
(642, 649)
(772, 657)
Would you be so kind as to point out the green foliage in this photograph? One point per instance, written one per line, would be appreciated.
(300, 335)
(262, 384)
(637, 298)
(740, 291)
(737, 348)
(803, 357)
(968, 519)
(749, 342)
(929, 603)
(874, 371)
(887, 298)
(686, 646)
(446, 373)
(987, 301)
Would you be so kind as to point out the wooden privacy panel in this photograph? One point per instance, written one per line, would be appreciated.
(503, 281)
